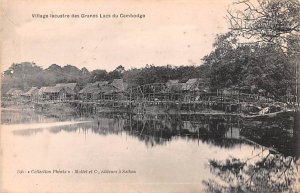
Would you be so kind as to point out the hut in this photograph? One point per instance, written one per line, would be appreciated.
(194, 88)
(31, 94)
(119, 84)
(110, 92)
(93, 91)
(56, 93)
(194, 84)
(117, 90)
(89, 92)
(10, 91)
(174, 85)
(190, 85)
(73, 86)
(172, 82)
(70, 86)
(14, 93)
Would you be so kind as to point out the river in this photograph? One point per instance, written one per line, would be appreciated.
(147, 153)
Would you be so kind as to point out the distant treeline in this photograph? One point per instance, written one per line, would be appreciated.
(25, 75)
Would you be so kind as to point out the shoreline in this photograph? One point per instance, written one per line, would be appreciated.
(39, 125)
(61, 109)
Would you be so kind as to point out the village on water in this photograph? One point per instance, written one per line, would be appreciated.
(155, 124)
(171, 96)
(188, 96)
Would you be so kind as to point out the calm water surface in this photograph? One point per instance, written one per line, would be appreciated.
(154, 153)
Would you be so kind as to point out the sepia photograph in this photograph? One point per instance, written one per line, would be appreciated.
(150, 96)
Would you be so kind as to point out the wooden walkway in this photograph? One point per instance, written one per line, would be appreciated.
(162, 95)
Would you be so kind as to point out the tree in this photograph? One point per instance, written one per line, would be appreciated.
(120, 69)
(261, 49)
(22, 76)
(263, 66)
(98, 75)
(161, 74)
(117, 73)
(271, 21)
(54, 68)
(17, 69)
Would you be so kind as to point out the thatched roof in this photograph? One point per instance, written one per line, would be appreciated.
(190, 84)
(55, 89)
(17, 92)
(97, 83)
(119, 84)
(172, 81)
(174, 85)
(108, 89)
(31, 92)
(41, 90)
(52, 89)
(90, 89)
(192, 80)
(67, 85)
(11, 91)
(14, 92)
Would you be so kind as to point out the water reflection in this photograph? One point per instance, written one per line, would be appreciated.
(156, 129)
(260, 173)
(278, 133)
(27, 132)
(103, 126)
(271, 166)
(22, 116)
(274, 169)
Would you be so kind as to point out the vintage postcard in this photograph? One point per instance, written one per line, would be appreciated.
(139, 96)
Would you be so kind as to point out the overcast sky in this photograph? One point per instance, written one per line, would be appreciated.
(173, 32)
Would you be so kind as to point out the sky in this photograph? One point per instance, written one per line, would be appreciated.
(175, 32)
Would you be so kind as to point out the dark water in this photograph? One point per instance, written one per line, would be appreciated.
(165, 153)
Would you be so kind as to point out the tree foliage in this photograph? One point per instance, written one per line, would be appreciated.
(263, 66)
(272, 21)
(161, 74)
(260, 50)
(25, 75)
